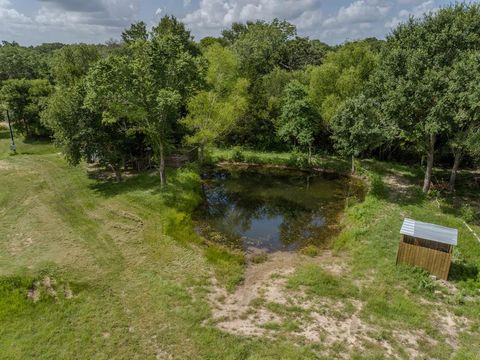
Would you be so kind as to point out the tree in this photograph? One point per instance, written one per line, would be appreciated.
(464, 104)
(262, 46)
(236, 30)
(301, 52)
(357, 128)
(25, 99)
(170, 26)
(137, 31)
(17, 62)
(412, 79)
(146, 87)
(213, 113)
(81, 133)
(71, 62)
(274, 84)
(343, 75)
(298, 120)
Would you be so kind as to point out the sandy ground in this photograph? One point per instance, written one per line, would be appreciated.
(248, 310)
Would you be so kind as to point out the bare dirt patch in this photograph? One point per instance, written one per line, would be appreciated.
(263, 305)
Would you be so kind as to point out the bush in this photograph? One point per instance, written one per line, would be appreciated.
(310, 250)
(299, 159)
(468, 213)
(237, 154)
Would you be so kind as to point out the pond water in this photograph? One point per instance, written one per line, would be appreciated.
(273, 210)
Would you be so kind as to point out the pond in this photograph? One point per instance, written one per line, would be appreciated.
(273, 210)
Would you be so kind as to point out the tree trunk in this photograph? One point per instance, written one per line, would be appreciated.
(456, 165)
(353, 164)
(117, 172)
(161, 167)
(427, 181)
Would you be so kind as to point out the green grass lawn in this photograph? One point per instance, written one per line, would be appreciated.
(139, 275)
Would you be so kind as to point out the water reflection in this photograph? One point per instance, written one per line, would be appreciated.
(274, 210)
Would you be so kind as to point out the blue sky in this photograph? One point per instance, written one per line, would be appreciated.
(95, 21)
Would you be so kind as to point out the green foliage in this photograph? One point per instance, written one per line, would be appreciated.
(81, 133)
(413, 78)
(310, 250)
(298, 159)
(357, 127)
(17, 62)
(146, 87)
(468, 213)
(237, 154)
(213, 113)
(71, 63)
(25, 100)
(462, 98)
(298, 122)
(137, 31)
(261, 46)
(343, 75)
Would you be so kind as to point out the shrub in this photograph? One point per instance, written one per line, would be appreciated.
(237, 154)
(298, 159)
(310, 250)
(468, 213)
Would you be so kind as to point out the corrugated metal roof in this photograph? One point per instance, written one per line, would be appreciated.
(428, 231)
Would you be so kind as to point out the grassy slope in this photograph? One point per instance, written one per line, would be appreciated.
(392, 295)
(127, 252)
(139, 274)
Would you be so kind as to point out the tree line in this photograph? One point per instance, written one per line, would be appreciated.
(260, 85)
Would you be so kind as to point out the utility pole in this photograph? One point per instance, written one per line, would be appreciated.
(13, 147)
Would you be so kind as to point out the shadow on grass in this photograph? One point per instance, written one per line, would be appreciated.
(408, 195)
(4, 134)
(108, 187)
(461, 271)
(181, 191)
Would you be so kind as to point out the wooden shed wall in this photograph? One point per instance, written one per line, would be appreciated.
(434, 261)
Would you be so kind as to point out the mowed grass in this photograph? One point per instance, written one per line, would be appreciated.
(138, 272)
(140, 275)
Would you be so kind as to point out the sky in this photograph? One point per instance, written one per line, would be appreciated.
(31, 22)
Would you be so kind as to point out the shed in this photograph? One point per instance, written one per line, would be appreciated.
(428, 246)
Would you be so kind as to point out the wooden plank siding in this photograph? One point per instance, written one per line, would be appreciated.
(434, 261)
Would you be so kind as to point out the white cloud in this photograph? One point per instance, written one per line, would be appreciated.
(354, 20)
(98, 20)
(417, 11)
(219, 14)
(67, 20)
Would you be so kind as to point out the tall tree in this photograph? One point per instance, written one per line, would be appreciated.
(71, 63)
(464, 105)
(146, 87)
(262, 46)
(343, 75)
(82, 133)
(357, 127)
(214, 112)
(17, 62)
(137, 31)
(415, 65)
(25, 99)
(298, 122)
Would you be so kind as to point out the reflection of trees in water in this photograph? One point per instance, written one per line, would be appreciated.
(234, 200)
